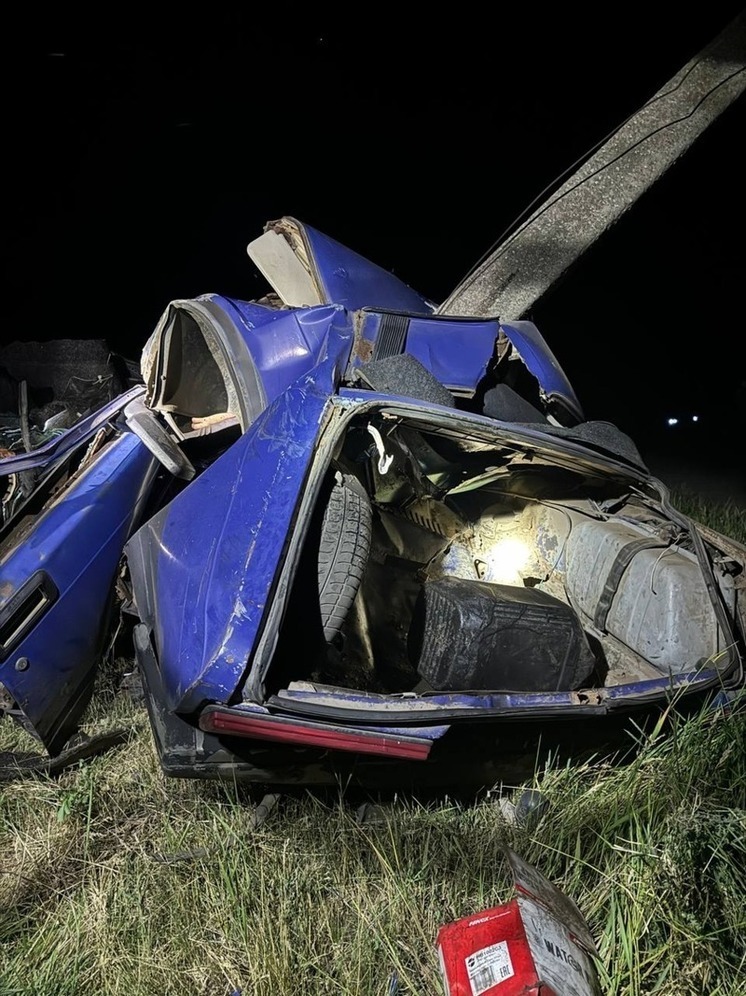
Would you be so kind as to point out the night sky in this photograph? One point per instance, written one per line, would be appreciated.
(142, 158)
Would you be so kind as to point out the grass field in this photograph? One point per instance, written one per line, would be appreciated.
(116, 880)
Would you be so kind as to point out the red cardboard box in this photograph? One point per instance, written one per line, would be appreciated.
(538, 943)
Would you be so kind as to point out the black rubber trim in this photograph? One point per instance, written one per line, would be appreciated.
(33, 600)
(622, 561)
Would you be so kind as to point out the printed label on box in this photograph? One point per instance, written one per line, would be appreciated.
(488, 967)
(559, 961)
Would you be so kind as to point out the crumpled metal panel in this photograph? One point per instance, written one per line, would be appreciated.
(203, 567)
(349, 279)
(77, 544)
(542, 363)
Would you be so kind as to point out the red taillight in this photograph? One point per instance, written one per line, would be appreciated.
(281, 729)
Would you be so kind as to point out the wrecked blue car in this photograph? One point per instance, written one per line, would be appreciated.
(356, 540)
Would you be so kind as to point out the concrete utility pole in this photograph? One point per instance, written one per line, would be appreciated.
(530, 261)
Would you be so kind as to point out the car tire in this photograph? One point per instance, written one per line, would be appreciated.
(344, 548)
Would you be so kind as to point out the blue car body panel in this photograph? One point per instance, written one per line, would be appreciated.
(543, 364)
(449, 706)
(208, 560)
(204, 600)
(354, 282)
(283, 345)
(64, 572)
(456, 352)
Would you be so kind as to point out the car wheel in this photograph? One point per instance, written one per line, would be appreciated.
(343, 551)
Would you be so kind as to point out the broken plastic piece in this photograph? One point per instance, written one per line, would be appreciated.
(384, 459)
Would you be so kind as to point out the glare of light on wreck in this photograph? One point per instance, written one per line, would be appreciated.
(506, 560)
